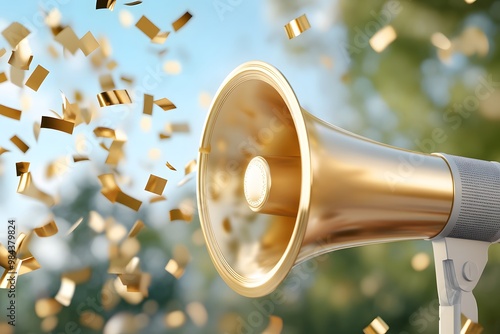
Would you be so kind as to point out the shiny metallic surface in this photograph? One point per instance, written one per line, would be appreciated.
(348, 190)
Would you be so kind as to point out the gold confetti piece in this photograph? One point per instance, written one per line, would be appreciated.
(205, 150)
(105, 4)
(161, 37)
(70, 110)
(22, 167)
(172, 67)
(17, 77)
(155, 184)
(198, 313)
(176, 127)
(2, 52)
(111, 65)
(148, 104)
(138, 226)
(46, 230)
(165, 104)
(147, 27)
(170, 166)
(79, 158)
(47, 307)
(15, 33)
(157, 199)
(383, 38)
(128, 201)
(27, 187)
(3, 150)
(106, 82)
(79, 276)
(19, 143)
(190, 167)
(88, 43)
(36, 130)
(74, 226)
(175, 319)
(10, 112)
(133, 3)
(181, 21)
(110, 188)
(68, 39)
(297, 26)
(53, 51)
(92, 320)
(3, 77)
(164, 136)
(113, 97)
(377, 326)
(470, 327)
(18, 61)
(174, 269)
(104, 132)
(57, 124)
(115, 152)
(127, 80)
(57, 167)
(177, 214)
(66, 292)
(36, 78)
(275, 325)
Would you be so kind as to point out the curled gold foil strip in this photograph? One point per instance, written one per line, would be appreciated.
(105, 4)
(128, 201)
(177, 214)
(19, 143)
(148, 104)
(297, 26)
(377, 326)
(155, 184)
(18, 61)
(79, 158)
(15, 33)
(88, 43)
(104, 132)
(113, 97)
(3, 150)
(37, 77)
(165, 104)
(110, 188)
(47, 230)
(57, 124)
(66, 292)
(28, 188)
(10, 112)
(170, 166)
(181, 21)
(22, 167)
(9, 276)
(68, 39)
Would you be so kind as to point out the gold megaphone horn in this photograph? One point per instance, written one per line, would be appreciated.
(277, 186)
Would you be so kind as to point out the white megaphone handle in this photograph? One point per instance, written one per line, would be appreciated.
(459, 265)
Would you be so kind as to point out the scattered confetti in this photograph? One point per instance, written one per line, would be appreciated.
(79, 158)
(170, 166)
(127, 80)
(383, 38)
(134, 231)
(181, 21)
(10, 112)
(151, 30)
(190, 167)
(177, 214)
(105, 4)
(157, 199)
(104, 132)
(3, 150)
(15, 33)
(57, 124)
(165, 104)
(377, 326)
(174, 269)
(133, 3)
(297, 26)
(111, 65)
(128, 201)
(3, 77)
(66, 292)
(148, 104)
(22, 167)
(113, 97)
(156, 184)
(19, 143)
(27, 187)
(2, 52)
(17, 60)
(37, 77)
(88, 43)
(47, 230)
(115, 152)
(68, 39)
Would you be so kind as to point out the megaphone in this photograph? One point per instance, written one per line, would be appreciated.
(277, 186)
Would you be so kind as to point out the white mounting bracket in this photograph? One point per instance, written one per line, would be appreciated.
(459, 266)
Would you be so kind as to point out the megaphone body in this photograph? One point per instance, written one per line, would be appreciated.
(277, 186)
